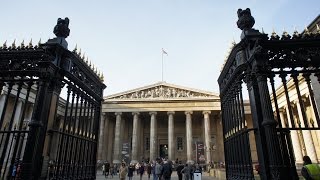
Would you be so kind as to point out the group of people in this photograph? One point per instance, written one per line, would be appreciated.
(188, 170)
(160, 169)
(109, 169)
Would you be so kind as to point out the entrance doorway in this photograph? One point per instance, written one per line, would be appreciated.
(163, 150)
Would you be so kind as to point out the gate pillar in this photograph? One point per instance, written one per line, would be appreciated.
(32, 159)
(270, 160)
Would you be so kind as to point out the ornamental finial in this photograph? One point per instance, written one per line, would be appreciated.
(62, 28)
(274, 36)
(30, 44)
(4, 46)
(318, 29)
(75, 49)
(285, 35)
(13, 46)
(79, 53)
(296, 34)
(245, 20)
(83, 56)
(22, 44)
(102, 77)
(87, 61)
(306, 31)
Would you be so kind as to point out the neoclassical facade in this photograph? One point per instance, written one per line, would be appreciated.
(304, 142)
(161, 120)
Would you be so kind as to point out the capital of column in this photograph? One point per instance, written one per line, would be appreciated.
(304, 98)
(103, 115)
(206, 112)
(188, 112)
(118, 113)
(170, 112)
(153, 113)
(296, 101)
(135, 113)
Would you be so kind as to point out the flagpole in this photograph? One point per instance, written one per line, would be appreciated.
(162, 65)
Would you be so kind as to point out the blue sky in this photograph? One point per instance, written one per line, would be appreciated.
(123, 38)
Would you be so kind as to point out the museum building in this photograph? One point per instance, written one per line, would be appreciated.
(162, 120)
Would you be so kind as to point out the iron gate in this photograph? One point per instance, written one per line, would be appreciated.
(50, 108)
(261, 63)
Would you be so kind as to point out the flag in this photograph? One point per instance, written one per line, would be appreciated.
(164, 52)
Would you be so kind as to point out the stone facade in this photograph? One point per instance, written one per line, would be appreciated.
(162, 120)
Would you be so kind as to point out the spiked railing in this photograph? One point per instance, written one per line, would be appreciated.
(43, 71)
(257, 62)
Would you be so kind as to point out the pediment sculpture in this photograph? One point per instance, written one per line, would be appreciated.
(161, 92)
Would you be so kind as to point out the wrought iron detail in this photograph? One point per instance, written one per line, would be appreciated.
(40, 131)
(259, 62)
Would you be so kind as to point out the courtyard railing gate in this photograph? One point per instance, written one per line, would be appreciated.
(49, 110)
(261, 63)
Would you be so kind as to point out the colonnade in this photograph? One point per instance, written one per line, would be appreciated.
(153, 138)
(304, 142)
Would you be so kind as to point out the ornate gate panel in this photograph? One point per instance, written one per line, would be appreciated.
(262, 63)
(42, 133)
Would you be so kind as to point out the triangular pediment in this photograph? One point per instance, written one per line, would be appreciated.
(163, 90)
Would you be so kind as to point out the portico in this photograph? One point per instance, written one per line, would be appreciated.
(159, 116)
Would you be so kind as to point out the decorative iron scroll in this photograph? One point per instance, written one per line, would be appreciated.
(43, 134)
(260, 62)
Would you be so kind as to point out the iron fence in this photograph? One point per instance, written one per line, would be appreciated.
(277, 73)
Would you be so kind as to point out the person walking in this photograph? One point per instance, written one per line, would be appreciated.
(107, 169)
(111, 170)
(130, 171)
(141, 170)
(123, 171)
(149, 168)
(167, 170)
(103, 169)
(186, 172)
(158, 170)
(137, 167)
(178, 169)
(309, 170)
(154, 170)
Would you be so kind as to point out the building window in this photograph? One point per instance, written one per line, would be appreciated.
(147, 143)
(179, 143)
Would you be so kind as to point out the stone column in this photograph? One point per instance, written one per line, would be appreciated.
(2, 101)
(134, 157)
(153, 135)
(110, 139)
(189, 136)
(101, 137)
(171, 143)
(105, 138)
(116, 148)
(311, 152)
(295, 140)
(207, 134)
(313, 115)
(282, 120)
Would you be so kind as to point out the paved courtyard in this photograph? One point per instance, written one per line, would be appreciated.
(205, 176)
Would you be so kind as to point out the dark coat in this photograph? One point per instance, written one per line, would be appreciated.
(130, 171)
(179, 168)
(167, 170)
